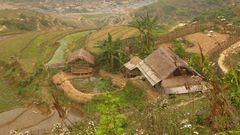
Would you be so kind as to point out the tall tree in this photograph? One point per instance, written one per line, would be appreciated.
(148, 28)
(113, 55)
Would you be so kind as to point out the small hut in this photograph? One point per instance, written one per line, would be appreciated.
(130, 68)
(81, 62)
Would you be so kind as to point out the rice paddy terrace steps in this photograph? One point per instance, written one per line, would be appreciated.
(32, 120)
(58, 59)
(117, 32)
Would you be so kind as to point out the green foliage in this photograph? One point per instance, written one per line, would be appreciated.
(233, 82)
(214, 13)
(149, 29)
(178, 48)
(215, 2)
(27, 81)
(234, 132)
(112, 122)
(132, 96)
(174, 11)
(105, 85)
(113, 56)
(129, 96)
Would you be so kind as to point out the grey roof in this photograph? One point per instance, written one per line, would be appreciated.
(160, 65)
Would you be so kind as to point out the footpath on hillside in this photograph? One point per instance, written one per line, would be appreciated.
(232, 49)
(62, 81)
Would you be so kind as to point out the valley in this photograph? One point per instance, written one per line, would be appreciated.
(110, 67)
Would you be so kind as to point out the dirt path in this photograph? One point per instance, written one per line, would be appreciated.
(61, 80)
(225, 53)
(185, 103)
(116, 79)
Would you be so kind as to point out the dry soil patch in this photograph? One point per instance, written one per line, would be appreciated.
(206, 42)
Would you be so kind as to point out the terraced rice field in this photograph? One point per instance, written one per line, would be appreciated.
(117, 32)
(29, 47)
(65, 43)
(8, 97)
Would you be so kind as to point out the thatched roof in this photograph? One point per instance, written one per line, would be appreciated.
(132, 64)
(160, 65)
(81, 54)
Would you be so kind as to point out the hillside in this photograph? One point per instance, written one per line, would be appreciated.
(169, 11)
(27, 20)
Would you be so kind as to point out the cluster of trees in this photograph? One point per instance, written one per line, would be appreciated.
(149, 29)
(114, 53)
(113, 56)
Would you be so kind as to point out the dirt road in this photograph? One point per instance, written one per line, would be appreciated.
(225, 53)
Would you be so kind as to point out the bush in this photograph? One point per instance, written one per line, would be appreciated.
(233, 80)
(178, 48)
(105, 85)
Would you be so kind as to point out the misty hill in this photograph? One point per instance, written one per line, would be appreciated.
(26, 20)
(185, 10)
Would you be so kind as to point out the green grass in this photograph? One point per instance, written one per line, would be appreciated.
(13, 46)
(129, 96)
(41, 49)
(31, 48)
(8, 97)
(64, 44)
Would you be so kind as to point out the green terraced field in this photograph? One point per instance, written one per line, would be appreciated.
(8, 97)
(65, 44)
(31, 48)
(121, 32)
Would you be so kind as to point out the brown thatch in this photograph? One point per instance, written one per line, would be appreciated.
(160, 65)
(81, 54)
(132, 64)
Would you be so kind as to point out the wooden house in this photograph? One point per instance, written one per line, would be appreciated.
(167, 72)
(81, 63)
(130, 68)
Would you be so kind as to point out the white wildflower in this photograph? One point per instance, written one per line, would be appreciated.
(195, 132)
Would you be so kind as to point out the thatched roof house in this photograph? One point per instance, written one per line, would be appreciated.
(161, 64)
(164, 69)
(80, 62)
(83, 55)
